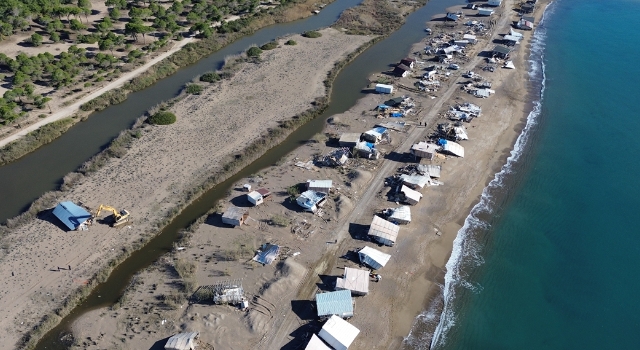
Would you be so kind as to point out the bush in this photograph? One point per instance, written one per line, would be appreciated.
(210, 77)
(278, 220)
(162, 118)
(270, 45)
(254, 51)
(291, 42)
(312, 34)
(194, 89)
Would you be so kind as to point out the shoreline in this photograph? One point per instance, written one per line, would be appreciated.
(422, 269)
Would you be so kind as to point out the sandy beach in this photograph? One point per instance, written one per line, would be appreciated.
(316, 248)
(151, 178)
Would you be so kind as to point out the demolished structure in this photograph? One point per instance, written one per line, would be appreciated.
(311, 200)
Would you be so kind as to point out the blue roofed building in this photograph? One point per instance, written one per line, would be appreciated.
(71, 215)
(337, 303)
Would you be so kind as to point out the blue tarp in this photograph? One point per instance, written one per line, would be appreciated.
(71, 215)
(383, 106)
(442, 142)
(397, 115)
(380, 130)
(370, 145)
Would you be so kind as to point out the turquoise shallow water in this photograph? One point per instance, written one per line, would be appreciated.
(550, 258)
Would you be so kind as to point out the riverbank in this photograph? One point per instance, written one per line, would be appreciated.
(14, 144)
(163, 166)
(281, 312)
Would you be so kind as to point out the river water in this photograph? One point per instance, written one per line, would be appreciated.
(79, 144)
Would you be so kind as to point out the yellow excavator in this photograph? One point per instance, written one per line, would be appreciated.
(119, 217)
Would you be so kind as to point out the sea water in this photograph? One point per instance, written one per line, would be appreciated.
(550, 257)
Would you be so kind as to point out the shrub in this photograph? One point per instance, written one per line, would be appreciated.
(210, 77)
(254, 51)
(312, 34)
(270, 45)
(291, 42)
(162, 118)
(278, 220)
(194, 89)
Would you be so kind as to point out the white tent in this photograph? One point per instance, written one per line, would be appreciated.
(374, 258)
(453, 148)
(355, 280)
(316, 344)
(383, 231)
(338, 333)
(410, 196)
(401, 215)
(182, 341)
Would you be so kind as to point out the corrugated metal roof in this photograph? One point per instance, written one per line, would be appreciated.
(454, 149)
(430, 169)
(335, 303)
(267, 254)
(308, 199)
(401, 214)
(355, 280)
(71, 214)
(350, 137)
(234, 213)
(319, 184)
(182, 341)
(411, 194)
(384, 229)
(415, 181)
(373, 257)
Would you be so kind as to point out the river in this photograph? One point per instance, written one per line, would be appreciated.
(87, 138)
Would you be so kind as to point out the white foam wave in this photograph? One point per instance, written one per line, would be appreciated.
(466, 250)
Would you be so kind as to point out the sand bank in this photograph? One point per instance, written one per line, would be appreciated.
(152, 177)
(281, 313)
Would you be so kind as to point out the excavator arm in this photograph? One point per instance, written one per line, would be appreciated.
(119, 217)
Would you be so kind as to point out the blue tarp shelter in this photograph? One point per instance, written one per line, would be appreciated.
(442, 142)
(71, 215)
(397, 115)
(383, 107)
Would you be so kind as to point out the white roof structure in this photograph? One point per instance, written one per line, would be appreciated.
(424, 150)
(516, 34)
(182, 341)
(310, 200)
(401, 215)
(254, 197)
(349, 139)
(470, 37)
(355, 280)
(512, 38)
(430, 169)
(338, 333)
(316, 344)
(411, 196)
(415, 181)
(509, 65)
(384, 231)
(453, 148)
(323, 186)
(373, 257)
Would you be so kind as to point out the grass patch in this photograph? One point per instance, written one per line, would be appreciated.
(291, 42)
(210, 77)
(193, 89)
(162, 118)
(312, 34)
(279, 220)
(269, 46)
(254, 51)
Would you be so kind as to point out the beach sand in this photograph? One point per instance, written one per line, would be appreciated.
(151, 179)
(281, 312)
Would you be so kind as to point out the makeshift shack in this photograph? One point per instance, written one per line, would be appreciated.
(366, 150)
(323, 186)
(383, 231)
(501, 51)
(226, 292)
(410, 196)
(415, 181)
(349, 139)
(384, 88)
(255, 198)
(376, 134)
(182, 341)
(265, 193)
(429, 170)
(424, 150)
(71, 215)
(235, 216)
(311, 200)
(451, 148)
(338, 333)
(409, 62)
(482, 11)
(400, 215)
(401, 70)
(373, 258)
(470, 38)
(337, 303)
(316, 343)
(267, 254)
(354, 280)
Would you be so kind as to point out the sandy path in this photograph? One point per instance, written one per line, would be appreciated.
(74, 107)
(156, 172)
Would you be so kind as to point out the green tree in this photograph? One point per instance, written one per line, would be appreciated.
(177, 7)
(54, 25)
(254, 51)
(36, 39)
(29, 89)
(106, 44)
(105, 25)
(114, 13)
(55, 37)
(6, 30)
(76, 25)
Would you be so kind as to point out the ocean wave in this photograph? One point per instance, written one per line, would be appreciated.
(466, 252)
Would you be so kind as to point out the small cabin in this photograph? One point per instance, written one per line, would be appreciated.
(235, 216)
